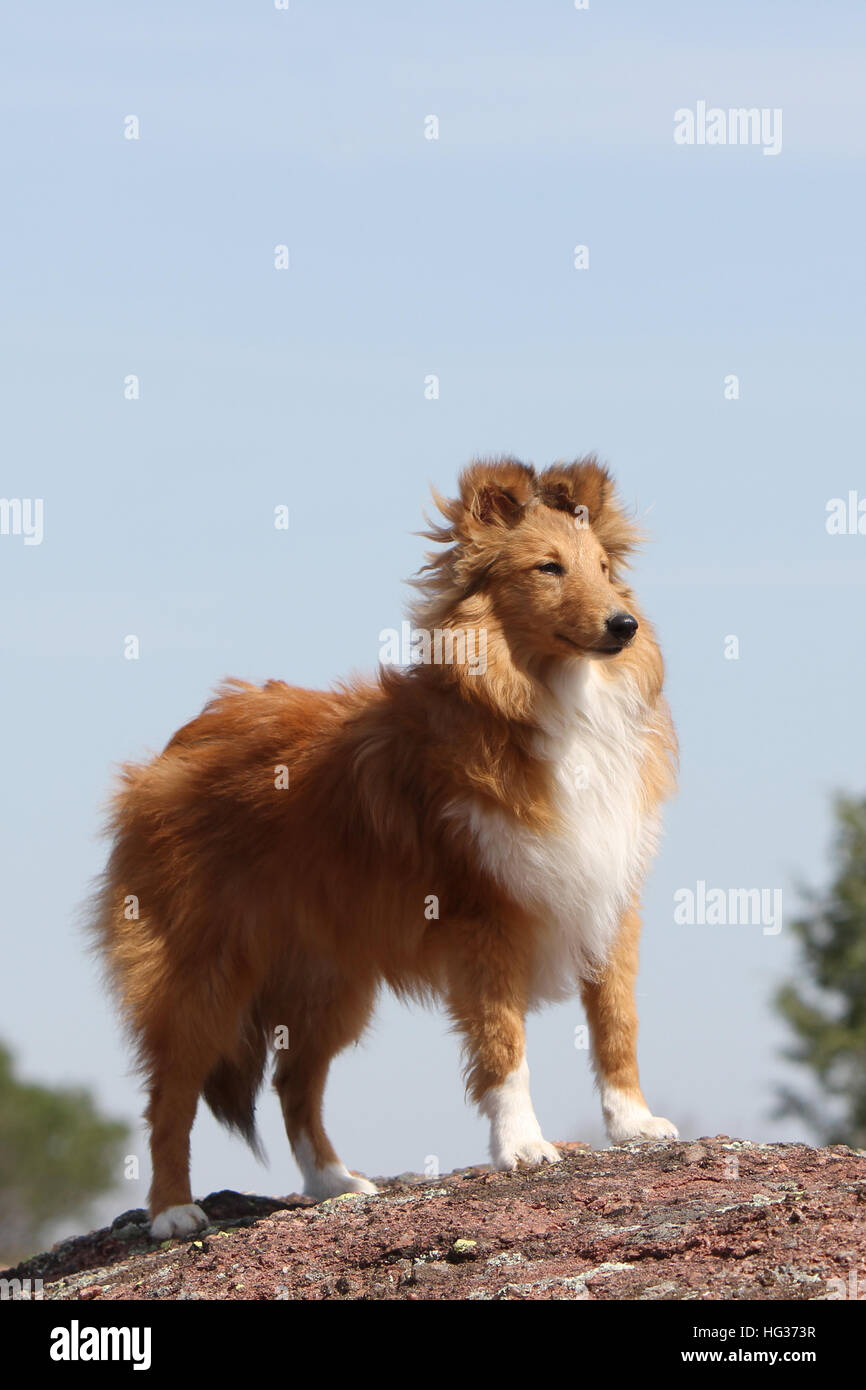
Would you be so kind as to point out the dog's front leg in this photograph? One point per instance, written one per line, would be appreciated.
(612, 1015)
(488, 1007)
(515, 1135)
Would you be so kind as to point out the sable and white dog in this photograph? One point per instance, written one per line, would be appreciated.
(282, 848)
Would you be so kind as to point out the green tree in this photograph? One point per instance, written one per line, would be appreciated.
(57, 1153)
(826, 1006)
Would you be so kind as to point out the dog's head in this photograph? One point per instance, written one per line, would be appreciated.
(548, 550)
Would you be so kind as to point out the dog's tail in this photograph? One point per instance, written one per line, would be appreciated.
(234, 1083)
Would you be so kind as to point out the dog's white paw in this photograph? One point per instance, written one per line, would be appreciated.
(629, 1121)
(336, 1181)
(327, 1179)
(527, 1153)
(515, 1135)
(178, 1221)
(652, 1127)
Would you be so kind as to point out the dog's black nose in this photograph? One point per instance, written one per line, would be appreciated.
(622, 626)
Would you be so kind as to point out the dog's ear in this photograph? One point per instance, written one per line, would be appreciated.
(586, 490)
(496, 492)
(583, 488)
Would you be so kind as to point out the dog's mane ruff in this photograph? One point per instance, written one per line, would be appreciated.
(438, 582)
(470, 525)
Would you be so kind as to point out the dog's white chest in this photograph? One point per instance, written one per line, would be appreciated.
(579, 878)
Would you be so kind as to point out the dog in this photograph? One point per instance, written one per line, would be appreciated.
(470, 832)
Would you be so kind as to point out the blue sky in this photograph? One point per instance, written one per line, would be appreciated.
(155, 257)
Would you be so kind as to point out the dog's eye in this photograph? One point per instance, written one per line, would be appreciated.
(605, 567)
(550, 567)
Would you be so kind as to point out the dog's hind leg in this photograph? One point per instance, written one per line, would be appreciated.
(181, 1055)
(322, 1017)
(170, 1114)
(613, 1023)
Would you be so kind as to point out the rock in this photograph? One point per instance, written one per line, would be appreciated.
(463, 1250)
(640, 1222)
(695, 1153)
